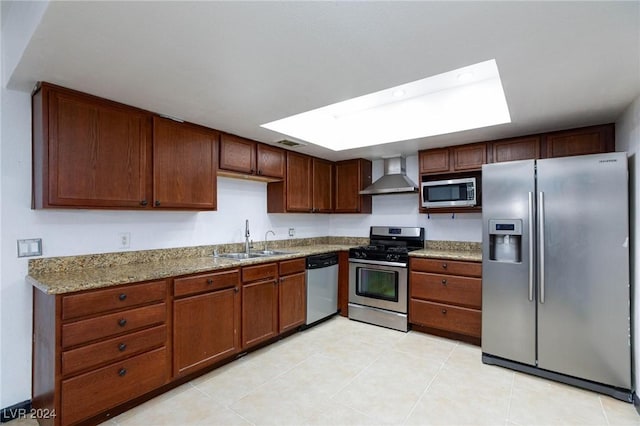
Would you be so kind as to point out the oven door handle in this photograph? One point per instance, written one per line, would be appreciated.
(379, 263)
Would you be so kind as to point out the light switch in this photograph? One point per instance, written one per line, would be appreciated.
(30, 247)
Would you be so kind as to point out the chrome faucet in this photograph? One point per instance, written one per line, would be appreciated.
(247, 245)
(265, 238)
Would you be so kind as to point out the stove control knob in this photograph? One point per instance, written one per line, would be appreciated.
(392, 257)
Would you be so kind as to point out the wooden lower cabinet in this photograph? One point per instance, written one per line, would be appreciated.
(100, 357)
(259, 304)
(446, 296)
(273, 300)
(98, 352)
(114, 384)
(206, 326)
(292, 295)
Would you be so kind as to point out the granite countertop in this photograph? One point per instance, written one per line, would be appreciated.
(464, 255)
(451, 250)
(68, 281)
(76, 273)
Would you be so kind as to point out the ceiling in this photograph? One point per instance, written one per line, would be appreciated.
(235, 65)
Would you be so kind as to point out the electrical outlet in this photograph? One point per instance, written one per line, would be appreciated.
(125, 240)
(30, 247)
(292, 232)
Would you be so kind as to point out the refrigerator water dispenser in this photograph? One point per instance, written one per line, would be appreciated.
(505, 240)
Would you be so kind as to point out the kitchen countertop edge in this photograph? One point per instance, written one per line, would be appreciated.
(462, 255)
(95, 278)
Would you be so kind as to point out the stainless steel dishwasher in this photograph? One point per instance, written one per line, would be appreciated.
(322, 287)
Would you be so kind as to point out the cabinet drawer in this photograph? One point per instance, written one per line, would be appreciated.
(99, 301)
(84, 331)
(113, 349)
(259, 272)
(447, 288)
(89, 394)
(288, 267)
(445, 317)
(205, 282)
(452, 267)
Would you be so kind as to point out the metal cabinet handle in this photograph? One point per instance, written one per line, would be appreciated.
(122, 322)
(541, 242)
(444, 311)
(236, 289)
(122, 347)
(157, 203)
(122, 296)
(444, 282)
(259, 172)
(122, 372)
(144, 202)
(209, 281)
(444, 266)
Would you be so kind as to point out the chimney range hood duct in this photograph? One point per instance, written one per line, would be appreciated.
(394, 181)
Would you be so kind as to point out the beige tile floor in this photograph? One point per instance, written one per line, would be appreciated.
(348, 373)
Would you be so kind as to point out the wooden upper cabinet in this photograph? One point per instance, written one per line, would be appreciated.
(525, 148)
(352, 176)
(434, 160)
(271, 161)
(237, 154)
(453, 159)
(89, 152)
(322, 186)
(469, 157)
(251, 158)
(299, 183)
(184, 165)
(586, 140)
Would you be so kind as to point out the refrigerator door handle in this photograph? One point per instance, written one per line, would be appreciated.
(531, 259)
(541, 242)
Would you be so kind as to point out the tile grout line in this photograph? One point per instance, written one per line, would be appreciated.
(513, 383)
(604, 412)
(426, 389)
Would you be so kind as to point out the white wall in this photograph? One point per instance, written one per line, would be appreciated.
(628, 139)
(402, 210)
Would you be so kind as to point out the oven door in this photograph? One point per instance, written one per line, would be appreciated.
(378, 284)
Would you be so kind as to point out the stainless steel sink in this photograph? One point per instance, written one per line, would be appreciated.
(271, 252)
(254, 254)
(239, 256)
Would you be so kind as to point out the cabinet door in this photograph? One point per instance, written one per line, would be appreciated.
(434, 160)
(469, 157)
(259, 312)
(184, 165)
(206, 329)
(299, 185)
(527, 148)
(351, 177)
(322, 186)
(586, 140)
(237, 154)
(98, 152)
(271, 161)
(292, 301)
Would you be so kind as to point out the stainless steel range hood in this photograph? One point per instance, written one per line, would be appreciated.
(394, 181)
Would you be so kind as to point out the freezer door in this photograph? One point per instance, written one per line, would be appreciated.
(583, 307)
(508, 299)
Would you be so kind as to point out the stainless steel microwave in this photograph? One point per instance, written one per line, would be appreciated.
(449, 193)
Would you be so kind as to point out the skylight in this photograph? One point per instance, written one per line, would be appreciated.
(466, 98)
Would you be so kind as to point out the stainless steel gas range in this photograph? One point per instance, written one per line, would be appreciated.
(378, 276)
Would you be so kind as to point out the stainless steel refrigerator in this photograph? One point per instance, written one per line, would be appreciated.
(555, 270)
